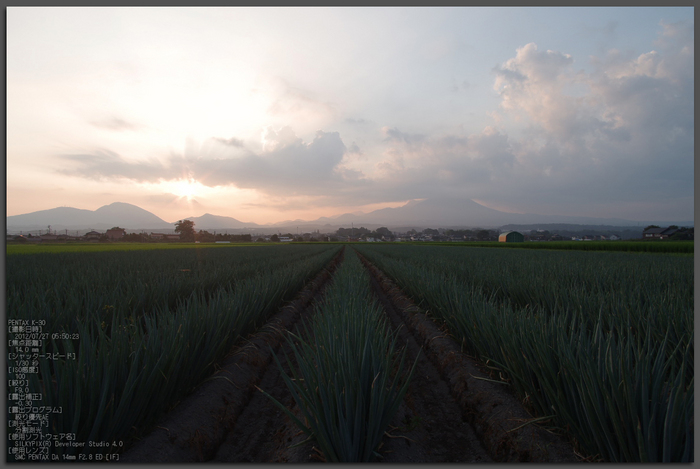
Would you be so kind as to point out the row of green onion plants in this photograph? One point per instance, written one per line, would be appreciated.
(116, 375)
(649, 246)
(65, 289)
(350, 375)
(602, 343)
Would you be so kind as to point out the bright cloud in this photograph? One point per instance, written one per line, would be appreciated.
(355, 110)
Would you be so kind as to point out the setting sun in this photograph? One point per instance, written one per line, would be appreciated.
(185, 188)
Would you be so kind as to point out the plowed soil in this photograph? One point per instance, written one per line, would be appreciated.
(450, 412)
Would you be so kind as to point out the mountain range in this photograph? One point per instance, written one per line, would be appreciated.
(429, 213)
(120, 214)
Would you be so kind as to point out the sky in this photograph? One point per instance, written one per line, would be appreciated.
(272, 114)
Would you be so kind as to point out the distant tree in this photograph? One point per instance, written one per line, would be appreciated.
(242, 238)
(651, 226)
(260, 240)
(482, 235)
(274, 238)
(430, 231)
(204, 236)
(356, 232)
(186, 230)
(135, 238)
(683, 234)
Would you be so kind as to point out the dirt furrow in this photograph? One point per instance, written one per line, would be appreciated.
(263, 433)
(197, 427)
(429, 425)
(495, 415)
(449, 413)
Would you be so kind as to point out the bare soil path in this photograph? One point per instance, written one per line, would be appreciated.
(197, 427)
(498, 418)
(445, 417)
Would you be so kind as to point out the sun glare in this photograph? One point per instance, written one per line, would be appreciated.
(185, 188)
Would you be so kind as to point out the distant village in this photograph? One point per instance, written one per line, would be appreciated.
(361, 234)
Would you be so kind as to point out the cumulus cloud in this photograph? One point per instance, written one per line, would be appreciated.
(104, 164)
(396, 135)
(286, 165)
(532, 85)
(616, 136)
(627, 130)
(619, 134)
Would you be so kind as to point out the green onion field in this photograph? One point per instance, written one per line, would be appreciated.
(598, 347)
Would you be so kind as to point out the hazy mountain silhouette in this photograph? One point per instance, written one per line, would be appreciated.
(453, 212)
(429, 213)
(216, 222)
(119, 214)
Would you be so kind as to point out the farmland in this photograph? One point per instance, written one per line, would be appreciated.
(102, 247)
(241, 352)
(666, 247)
(600, 345)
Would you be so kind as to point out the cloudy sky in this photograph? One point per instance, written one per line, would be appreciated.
(270, 114)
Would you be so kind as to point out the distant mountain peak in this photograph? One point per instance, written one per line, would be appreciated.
(120, 214)
(209, 221)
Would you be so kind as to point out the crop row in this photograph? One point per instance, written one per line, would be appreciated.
(350, 376)
(658, 246)
(600, 343)
(66, 289)
(173, 315)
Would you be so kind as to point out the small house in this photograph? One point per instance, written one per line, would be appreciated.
(659, 233)
(511, 237)
(116, 233)
(93, 236)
